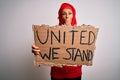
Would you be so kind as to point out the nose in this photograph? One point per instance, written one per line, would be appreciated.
(66, 15)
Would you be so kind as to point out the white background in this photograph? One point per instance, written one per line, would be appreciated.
(16, 37)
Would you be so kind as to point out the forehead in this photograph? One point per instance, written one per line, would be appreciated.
(66, 10)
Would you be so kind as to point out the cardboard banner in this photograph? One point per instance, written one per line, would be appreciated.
(65, 45)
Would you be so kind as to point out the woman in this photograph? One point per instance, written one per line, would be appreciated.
(66, 16)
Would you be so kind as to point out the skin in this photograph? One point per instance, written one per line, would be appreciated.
(67, 16)
(35, 49)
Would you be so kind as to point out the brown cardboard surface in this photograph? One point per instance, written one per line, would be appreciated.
(65, 45)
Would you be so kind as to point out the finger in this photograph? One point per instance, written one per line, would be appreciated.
(35, 53)
(35, 50)
(35, 47)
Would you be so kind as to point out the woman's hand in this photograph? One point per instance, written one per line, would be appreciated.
(35, 49)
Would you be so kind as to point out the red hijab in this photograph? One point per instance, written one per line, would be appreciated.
(67, 6)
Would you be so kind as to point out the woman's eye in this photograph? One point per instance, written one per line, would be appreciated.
(70, 13)
(63, 13)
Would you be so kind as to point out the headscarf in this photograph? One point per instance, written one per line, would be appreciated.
(67, 6)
